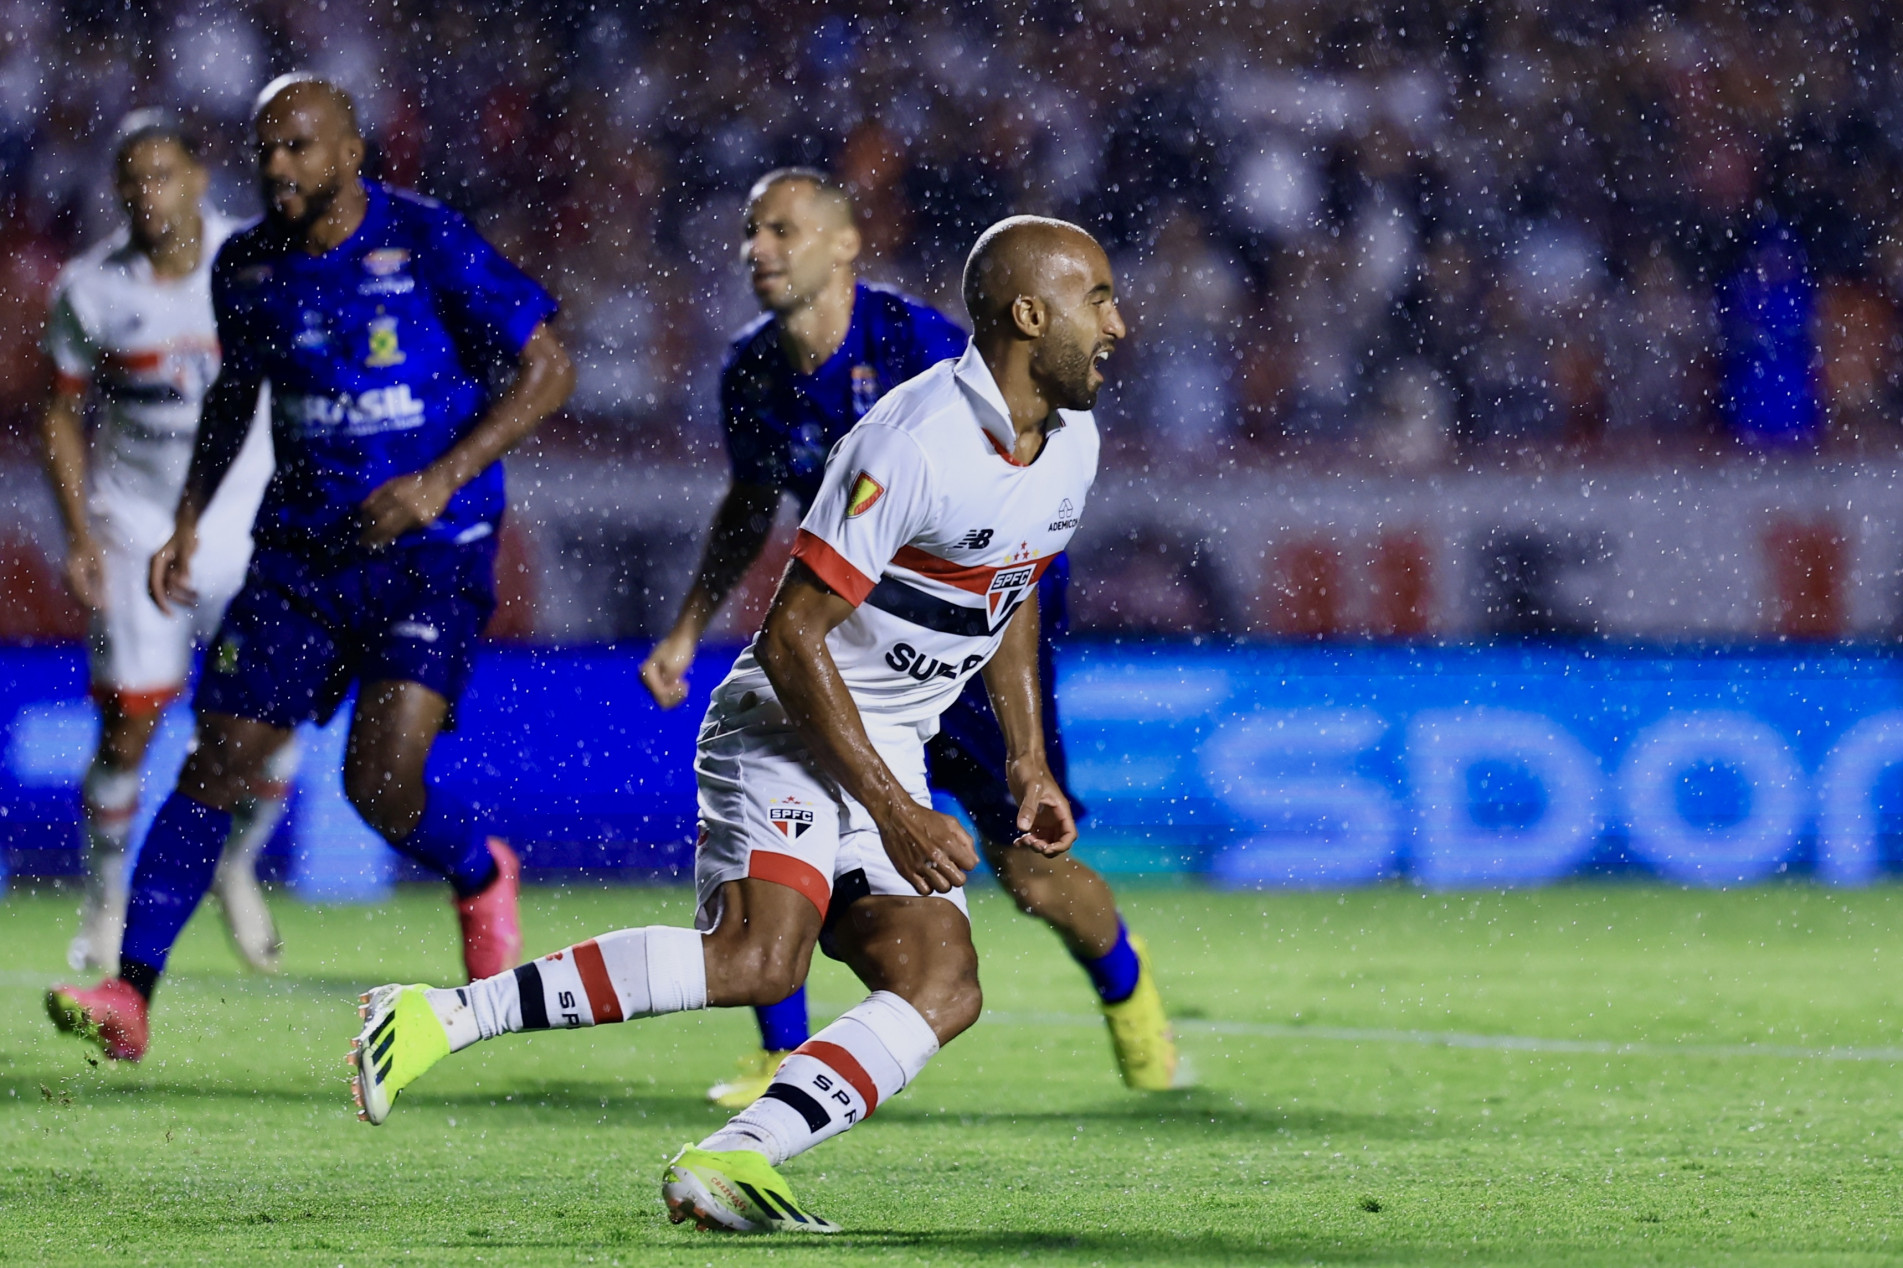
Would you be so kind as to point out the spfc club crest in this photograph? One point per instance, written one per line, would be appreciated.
(1007, 590)
(789, 818)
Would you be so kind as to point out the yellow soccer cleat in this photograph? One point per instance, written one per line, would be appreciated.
(756, 1072)
(733, 1191)
(1140, 1033)
(402, 1037)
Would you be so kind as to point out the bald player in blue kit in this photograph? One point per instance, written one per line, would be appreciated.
(796, 380)
(405, 356)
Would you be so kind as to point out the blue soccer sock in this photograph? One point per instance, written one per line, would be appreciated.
(783, 1025)
(450, 840)
(175, 868)
(1115, 972)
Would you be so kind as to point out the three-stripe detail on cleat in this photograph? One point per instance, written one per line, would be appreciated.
(780, 1200)
(381, 1040)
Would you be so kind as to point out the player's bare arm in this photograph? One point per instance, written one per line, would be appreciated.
(223, 424)
(930, 850)
(798, 246)
(544, 378)
(63, 451)
(741, 527)
(1044, 815)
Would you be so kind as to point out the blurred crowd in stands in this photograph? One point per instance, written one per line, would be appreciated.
(1402, 235)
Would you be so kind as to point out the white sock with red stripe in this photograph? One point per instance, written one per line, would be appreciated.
(256, 816)
(111, 799)
(834, 1080)
(616, 977)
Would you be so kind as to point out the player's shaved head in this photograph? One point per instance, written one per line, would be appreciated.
(1043, 304)
(801, 240)
(830, 199)
(1022, 256)
(310, 151)
(301, 89)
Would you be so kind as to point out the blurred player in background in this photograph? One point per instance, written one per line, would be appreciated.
(816, 820)
(377, 319)
(795, 381)
(131, 325)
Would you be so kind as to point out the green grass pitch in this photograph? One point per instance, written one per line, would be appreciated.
(1715, 1082)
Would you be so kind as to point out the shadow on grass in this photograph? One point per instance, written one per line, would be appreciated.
(591, 1099)
(1136, 1247)
(1172, 1113)
(1193, 1110)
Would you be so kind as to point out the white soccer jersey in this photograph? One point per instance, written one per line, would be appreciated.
(926, 524)
(149, 346)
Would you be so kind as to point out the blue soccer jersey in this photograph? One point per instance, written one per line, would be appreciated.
(781, 424)
(380, 353)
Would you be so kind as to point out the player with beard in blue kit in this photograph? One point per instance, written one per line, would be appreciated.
(379, 320)
(795, 381)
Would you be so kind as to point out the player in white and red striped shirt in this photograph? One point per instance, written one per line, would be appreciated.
(816, 823)
(131, 327)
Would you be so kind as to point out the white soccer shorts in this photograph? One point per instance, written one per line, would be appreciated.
(140, 656)
(767, 812)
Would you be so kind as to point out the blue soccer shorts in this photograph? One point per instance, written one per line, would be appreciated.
(302, 631)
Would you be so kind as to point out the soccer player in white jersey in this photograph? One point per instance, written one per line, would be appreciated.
(816, 826)
(131, 325)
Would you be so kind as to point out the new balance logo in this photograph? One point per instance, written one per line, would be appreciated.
(976, 539)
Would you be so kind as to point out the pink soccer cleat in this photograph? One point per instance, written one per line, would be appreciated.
(492, 927)
(111, 1015)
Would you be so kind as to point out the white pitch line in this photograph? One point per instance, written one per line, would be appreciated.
(1461, 1039)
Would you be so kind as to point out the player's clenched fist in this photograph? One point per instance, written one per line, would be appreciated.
(664, 672)
(1045, 821)
(169, 578)
(397, 506)
(930, 850)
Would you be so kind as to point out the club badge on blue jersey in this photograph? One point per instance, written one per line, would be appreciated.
(383, 344)
(865, 389)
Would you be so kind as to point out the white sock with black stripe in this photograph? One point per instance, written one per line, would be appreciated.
(834, 1080)
(616, 977)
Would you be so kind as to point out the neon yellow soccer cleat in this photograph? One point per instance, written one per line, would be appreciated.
(1140, 1034)
(733, 1191)
(756, 1072)
(401, 1039)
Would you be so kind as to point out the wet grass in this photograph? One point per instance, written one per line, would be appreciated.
(1355, 1105)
